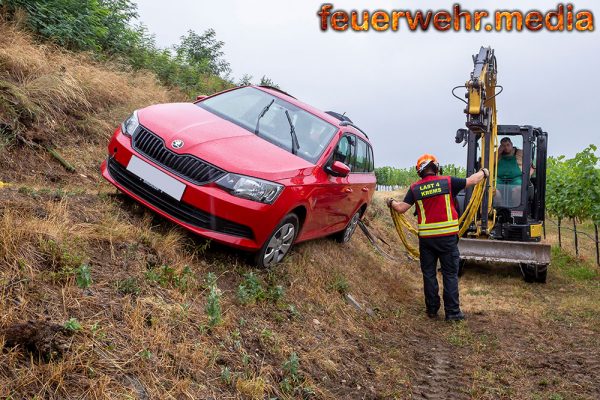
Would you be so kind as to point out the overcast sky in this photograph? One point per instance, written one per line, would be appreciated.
(396, 85)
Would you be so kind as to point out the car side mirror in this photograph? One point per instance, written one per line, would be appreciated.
(338, 168)
(201, 97)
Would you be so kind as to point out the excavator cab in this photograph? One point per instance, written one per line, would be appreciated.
(519, 203)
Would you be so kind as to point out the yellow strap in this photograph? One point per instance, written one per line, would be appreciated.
(401, 223)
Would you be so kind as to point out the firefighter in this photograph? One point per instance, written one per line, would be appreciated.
(438, 231)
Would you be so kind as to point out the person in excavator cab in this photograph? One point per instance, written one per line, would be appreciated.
(438, 231)
(510, 174)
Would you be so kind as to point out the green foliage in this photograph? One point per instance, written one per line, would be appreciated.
(128, 286)
(226, 376)
(250, 290)
(83, 276)
(573, 268)
(72, 325)
(573, 186)
(292, 380)
(166, 275)
(403, 177)
(105, 27)
(340, 284)
(213, 302)
(266, 81)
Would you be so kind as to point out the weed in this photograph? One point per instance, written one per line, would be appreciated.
(72, 325)
(83, 276)
(291, 369)
(128, 286)
(276, 293)
(226, 377)
(340, 285)
(167, 276)
(213, 303)
(460, 335)
(250, 290)
(145, 354)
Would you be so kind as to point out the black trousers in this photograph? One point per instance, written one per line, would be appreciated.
(445, 249)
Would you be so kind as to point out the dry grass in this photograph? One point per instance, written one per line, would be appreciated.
(145, 331)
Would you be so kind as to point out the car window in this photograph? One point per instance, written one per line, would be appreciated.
(243, 107)
(371, 160)
(361, 162)
(344, 150)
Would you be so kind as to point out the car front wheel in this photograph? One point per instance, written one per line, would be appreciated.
(278, 245)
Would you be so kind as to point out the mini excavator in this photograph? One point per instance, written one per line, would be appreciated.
(502, 221)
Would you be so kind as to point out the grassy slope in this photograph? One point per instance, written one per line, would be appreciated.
(144, 327)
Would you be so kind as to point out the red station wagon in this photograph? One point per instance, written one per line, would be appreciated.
(250, 167)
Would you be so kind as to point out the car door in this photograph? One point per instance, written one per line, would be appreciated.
(331, 198)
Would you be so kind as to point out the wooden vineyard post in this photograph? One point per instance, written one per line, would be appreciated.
(597, 250)
(559, 238)
(575, 233)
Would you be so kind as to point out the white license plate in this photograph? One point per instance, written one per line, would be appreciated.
(156, 178)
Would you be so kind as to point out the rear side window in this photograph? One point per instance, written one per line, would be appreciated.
(361, 161)
(371, 160)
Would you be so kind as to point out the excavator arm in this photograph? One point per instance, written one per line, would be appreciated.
(481, 120)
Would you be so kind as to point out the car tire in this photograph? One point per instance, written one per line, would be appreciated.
(279, 243)
(345, 235)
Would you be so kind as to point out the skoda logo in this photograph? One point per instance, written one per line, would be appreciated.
(177, 144)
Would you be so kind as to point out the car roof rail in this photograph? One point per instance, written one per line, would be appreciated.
(348, 123)
(277, 90)
(339, 116)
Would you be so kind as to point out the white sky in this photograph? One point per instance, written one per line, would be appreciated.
(396, 85)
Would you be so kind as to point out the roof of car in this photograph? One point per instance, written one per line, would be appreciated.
(331, 117)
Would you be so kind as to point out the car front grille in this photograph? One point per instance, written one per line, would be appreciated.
(176, 209)
(186, 166)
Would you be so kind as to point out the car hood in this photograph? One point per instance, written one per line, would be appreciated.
(220, 142)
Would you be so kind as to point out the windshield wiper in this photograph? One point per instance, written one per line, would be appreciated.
(262, 114)
(295, 144)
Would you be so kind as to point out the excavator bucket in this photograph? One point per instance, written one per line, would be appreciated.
(502, 251)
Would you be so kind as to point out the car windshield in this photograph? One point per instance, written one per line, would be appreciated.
(258, 111)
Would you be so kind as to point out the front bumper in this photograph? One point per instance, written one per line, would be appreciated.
(205, 210)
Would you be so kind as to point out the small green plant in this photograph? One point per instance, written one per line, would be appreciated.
(168, 276)
(72, 325)
(83, 276)
(276, 293)
(145, 354)
(291, 369)
(250, 290)
(226, 377)
(128, 286)
(213, 303)
(340, 285)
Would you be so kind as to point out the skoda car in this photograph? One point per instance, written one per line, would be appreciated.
(250, 167)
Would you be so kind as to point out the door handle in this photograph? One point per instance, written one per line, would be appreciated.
(348, 190)
(365, 189)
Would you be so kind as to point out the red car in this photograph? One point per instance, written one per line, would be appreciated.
(250, 167)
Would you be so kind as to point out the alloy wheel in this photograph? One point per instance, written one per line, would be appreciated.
(279, 244)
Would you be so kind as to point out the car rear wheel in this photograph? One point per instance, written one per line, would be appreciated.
(345, 235)
(278, 245)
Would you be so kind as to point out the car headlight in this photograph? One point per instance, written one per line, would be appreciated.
(129, 126)
(250, 188)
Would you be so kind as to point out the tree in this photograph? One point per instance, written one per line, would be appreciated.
(203, 53)
(245, 80)
(266, 81)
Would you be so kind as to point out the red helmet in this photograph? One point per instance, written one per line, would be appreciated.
(424, 161)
